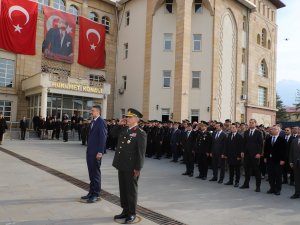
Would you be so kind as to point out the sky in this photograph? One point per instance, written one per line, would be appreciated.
(288, 60)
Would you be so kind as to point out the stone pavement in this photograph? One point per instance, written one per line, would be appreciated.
(30, 196)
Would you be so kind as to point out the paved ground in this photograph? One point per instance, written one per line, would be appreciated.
(29, 196)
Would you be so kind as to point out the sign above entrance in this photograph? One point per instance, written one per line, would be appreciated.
(77, 87)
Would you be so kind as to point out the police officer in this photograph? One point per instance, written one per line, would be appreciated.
(129, 160)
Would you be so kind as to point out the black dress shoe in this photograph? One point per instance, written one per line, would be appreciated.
(229, 183)
(86, 197)
(244, 186)
(220, 181)
(277, 193)
(236, 185)
(186, 173)
(199, 177)
(270, 191)
(257, 189)
(191, 174)
(129, 219)
(213, 179)
(123, 215)
(294, 196)
(92, 199)
(203, 178)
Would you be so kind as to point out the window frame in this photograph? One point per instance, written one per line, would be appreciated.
(70, 10)
(127, 18)
(126, 50)
(262, 96)
(5, 70)
(168, 37)
(169, 3)
(41, 3)
(57, 5)
(198, 3)
(3, 109)
(167, 75)
(263, 69)
(95, 16)
(197, 41)
(124, 82)
(106, 22)
(198, 73)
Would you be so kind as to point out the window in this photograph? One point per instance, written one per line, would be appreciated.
(194, 115)
(198, 6)
(127, 18)
(59, 4)
(258, 39)
(169, 6)
(196, 79)
(244, 23)
(5, 108)
(106, 23)
(7, 72)
(243, 55)
(96, 79)
(74, 10)
(273, 15)
(262, 71)
(94, 16)
(167, 79)
(124, 82)
(262, 96)
(264, 38)
(269, 44)
(197, 42)
(168, 42)
(126, 50)
(41, 3)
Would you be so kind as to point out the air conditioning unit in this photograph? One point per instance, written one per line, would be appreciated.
(121, 91)
(244, 97)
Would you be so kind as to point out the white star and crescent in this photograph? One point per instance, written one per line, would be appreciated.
(93, 31)
(18, 28)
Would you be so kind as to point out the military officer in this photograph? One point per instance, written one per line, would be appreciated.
(129, 160)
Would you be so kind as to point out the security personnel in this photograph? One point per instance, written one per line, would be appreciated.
(129, 160)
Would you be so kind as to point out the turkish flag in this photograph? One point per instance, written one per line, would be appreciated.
(18, 20)
(91, 44)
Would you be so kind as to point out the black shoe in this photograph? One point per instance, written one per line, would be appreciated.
(292, 183)
(270, 191)
(236, 185)
(191, 174)
(186, 173)
(213, 179)
(229, 183)
(86, 197)
(175, 161)
(294, 196)
(277, 193)
(129, 219)
(220, 181)
(284, 182)
(257, 189)
(199, 177)
(244, 186)
(203, 178)
(92, 199)
(123, 215)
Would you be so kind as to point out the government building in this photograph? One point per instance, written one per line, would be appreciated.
(170, 59)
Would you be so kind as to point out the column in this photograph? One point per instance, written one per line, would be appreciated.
(182, 60)
(104, 107)
(44, 102)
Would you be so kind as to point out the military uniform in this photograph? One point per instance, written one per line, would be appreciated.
(129, 156)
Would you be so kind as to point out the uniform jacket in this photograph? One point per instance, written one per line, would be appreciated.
(203, 142)
(97, 138)
(277, 151)
(234, 148)
(253, 145)
(131, 148)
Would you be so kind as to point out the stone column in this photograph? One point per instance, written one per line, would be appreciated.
(182, 59)
(44, 102)
(104, 107)
(85, 8)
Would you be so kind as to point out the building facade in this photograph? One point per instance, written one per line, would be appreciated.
(197, 60)
(34, 85)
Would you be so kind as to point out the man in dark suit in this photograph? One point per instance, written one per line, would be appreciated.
(295, 165)
(129, 160)
(188, 143)
(218, 153)
(158, 140)
(175, 142)
(252, 150)
(202, 148)
(286, 168)
(234, 146)
(23, 126)
(58, 41)
(95, 150)
(274, 153)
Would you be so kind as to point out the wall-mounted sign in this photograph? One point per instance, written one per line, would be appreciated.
(77, 87)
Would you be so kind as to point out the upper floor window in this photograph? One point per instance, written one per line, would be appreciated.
(264, 37)
(41, 3)
(167, 79)
(269, 44)
(198, 6)
(74, 10)
(124, 82)
(169, 6)
(105, 21)
(7, 72)
(262, 96)
(126, 50)
(94, 16)
(5, 108)
(59, 4)
(263, 70)
(244, 23)
(197, 42)
(168, 42)
(243, 55)
(127, 20)
(258, 39)
(196, 79)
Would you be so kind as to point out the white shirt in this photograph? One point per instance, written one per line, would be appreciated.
(251, 132)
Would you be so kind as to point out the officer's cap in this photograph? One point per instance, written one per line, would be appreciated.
(134, 113)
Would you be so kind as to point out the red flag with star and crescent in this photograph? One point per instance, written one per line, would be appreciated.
(91, 44)
(18, 20)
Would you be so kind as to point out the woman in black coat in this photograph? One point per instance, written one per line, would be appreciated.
(3, 127)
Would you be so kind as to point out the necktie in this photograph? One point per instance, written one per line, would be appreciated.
(232, 136)
(273, 140)
(251, 133)
(287, 138)
(92, 123)
(217, 135)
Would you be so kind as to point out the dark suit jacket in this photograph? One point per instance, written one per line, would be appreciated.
(218, 144)
(52, 42)
(188, 143)
(288, 147)
(234, 148)
(253, 145)
(175, 137)
(277, 152)
(131, 148)
(23, 124)
(97, 138)
(295, 153)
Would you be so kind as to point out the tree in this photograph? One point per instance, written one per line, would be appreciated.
(297, 104)
(281, 114)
